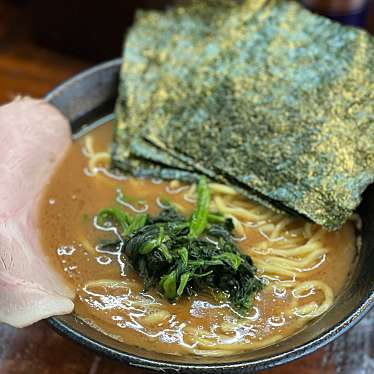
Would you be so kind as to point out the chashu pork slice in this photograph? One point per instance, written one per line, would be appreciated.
(34, 137)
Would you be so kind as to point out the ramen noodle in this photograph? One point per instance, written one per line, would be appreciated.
(303, 266)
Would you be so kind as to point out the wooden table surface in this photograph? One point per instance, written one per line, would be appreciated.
(29, 70)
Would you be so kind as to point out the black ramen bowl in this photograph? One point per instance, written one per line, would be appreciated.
(91, 95)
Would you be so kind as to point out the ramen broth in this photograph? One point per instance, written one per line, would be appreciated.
(304, 266)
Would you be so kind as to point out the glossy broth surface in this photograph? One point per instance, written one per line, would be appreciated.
(109, 294)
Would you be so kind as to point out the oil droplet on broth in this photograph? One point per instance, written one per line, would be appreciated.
(65, 251)
(103, 260)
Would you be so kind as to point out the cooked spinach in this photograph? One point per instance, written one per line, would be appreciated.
(136, 223)
(199, 219)
(181, 256)
(116, 216)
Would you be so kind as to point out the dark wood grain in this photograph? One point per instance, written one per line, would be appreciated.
(26, 69)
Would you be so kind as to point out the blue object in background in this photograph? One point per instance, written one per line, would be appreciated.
(348, 12)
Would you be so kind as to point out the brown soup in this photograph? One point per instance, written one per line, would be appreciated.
(305, 266)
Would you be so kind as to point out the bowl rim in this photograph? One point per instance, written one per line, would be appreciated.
(237, 366)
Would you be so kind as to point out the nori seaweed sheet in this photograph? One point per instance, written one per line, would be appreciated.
(137, 157)
(134, 163)
(267, 96)
(126, 131)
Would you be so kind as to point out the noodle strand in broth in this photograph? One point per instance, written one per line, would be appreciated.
(304, 266)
